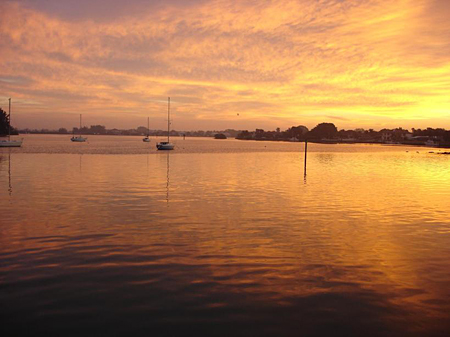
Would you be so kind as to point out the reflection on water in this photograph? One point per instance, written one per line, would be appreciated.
(91, 245)
(9, 174)
(5, 161)
(168, 176)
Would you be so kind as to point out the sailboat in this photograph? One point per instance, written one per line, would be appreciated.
(166, 145)
(78, 138)
(146, 139)
(9, 142)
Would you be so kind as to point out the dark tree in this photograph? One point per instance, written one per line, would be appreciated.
(244, 135)
(4, 123)
(220, 136)
(447, 136)
(298, 132)
(259, 133)
(142, 130)
(84, 130)
(97, 129)
(323, 131)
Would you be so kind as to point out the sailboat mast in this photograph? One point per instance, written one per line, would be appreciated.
(9, 120)
(168, 120)
(148, 126)
(80, 125)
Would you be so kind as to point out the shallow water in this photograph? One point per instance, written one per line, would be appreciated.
(223, 238)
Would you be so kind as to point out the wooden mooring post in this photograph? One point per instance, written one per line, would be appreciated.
(306, 154)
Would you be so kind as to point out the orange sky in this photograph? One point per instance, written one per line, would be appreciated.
(365, 63)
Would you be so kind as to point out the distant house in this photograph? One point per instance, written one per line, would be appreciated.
(409, 136)
(395, 135)
(386, 135)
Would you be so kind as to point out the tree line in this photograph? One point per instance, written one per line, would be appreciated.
(323, 132)
(328, 132)
(294, 133)
(4, 124)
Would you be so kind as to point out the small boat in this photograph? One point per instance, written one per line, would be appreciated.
(8, 142)
(166, 145)
(146, 139)
(78, 138)
(11, 143)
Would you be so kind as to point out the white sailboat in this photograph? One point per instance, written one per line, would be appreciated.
(146, 138)
(166, 145)
(8, 142)
(78, 138)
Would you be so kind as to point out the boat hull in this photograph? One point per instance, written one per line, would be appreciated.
(165, 146)
(78, 139)
(10, 143)
(147, 140)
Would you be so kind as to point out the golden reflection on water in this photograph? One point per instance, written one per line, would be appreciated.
(368, 225)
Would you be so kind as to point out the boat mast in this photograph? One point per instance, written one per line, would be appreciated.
(9, 121)
(80, 125)
(168, 120)
(148, 126)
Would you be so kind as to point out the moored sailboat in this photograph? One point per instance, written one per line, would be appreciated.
(166, 145)
(146, 138)
(78, 138)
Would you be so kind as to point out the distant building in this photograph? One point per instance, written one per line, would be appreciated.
(395, 135)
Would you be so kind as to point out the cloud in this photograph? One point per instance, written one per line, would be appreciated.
(337, 117)
(15, 80)
(99, 10)
(286, 59)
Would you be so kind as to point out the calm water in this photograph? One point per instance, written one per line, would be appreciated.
(226, 238)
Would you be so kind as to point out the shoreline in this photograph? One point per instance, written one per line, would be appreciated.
(440, 146)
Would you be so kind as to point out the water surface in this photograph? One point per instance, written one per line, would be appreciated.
(223, 238)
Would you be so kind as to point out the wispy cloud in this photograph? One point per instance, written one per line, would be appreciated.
(290, 61)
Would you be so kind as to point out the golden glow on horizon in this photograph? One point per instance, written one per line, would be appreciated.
(357, 64)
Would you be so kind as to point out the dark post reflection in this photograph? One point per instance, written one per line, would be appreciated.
(9, 173)
(168, 178)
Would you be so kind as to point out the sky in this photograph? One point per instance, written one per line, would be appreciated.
(226, 64)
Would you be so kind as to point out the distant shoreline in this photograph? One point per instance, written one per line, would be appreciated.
(323, 141)
(443, 146)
